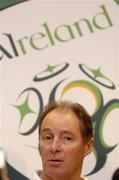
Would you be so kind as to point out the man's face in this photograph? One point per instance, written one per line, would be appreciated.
(61, 145)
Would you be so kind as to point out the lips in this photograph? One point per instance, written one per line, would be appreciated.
(55, 162)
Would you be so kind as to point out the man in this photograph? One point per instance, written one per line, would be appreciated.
(65, 138)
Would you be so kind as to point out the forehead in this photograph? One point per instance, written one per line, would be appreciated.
(61, 120)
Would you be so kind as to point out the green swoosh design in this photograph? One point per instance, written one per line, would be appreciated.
(15, 174)
(117, 1)
(111, 105)
(8, 3)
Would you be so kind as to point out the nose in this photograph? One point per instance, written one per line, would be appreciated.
(55, 146)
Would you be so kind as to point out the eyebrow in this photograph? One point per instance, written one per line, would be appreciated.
(46, 129)
(62, 131)
(67, 132)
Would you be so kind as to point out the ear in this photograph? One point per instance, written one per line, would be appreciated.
(89, 146)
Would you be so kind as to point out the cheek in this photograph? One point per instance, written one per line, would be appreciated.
(75, 152)
(44, 150)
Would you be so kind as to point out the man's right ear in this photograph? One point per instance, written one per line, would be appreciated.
(89, 146)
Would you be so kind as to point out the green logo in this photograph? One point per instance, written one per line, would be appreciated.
(8, 3)
(117, 1)
(101, 111)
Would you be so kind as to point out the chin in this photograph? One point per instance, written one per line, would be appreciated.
(55, 172)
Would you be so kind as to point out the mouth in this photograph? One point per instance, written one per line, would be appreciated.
(55, 162)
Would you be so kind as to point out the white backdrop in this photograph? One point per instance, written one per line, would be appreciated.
(60, 50)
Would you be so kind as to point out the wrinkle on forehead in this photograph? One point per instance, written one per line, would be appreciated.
(66, 121)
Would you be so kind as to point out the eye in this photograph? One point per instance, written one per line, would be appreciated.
(67, 139)
(46, 138)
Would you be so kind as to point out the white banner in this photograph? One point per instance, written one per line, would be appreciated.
(59, 50)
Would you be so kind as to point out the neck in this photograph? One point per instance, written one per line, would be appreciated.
(45, 177)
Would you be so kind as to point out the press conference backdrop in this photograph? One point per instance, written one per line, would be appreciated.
(59, 50)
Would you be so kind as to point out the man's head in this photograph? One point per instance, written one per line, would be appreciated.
(65, 138)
